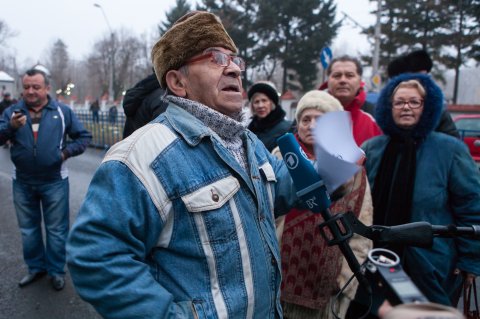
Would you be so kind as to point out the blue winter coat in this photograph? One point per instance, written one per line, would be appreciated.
(41, 160)
(446, 191)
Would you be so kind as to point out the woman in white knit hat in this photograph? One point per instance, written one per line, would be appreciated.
(312, 272)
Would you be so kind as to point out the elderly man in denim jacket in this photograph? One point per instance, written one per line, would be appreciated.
(178, 221)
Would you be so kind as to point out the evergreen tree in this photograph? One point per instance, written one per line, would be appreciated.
(181, 8)
(295, 34)
(463, 36)
(447, 29)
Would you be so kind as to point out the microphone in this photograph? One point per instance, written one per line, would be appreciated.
(310, 187)
(418, 234)
(312, 190)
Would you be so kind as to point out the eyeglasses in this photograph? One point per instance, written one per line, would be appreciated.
(414, 104)
(220, 59)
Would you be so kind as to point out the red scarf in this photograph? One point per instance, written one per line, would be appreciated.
(363, 124)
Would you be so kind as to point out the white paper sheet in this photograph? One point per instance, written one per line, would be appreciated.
(335, 149)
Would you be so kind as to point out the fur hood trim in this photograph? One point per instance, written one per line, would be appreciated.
(432, 108)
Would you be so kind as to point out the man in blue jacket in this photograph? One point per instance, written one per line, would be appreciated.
(179, 220)
(37, 127)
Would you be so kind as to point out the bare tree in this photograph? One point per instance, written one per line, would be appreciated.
(5, 32)
(8, 61)
(130, 65)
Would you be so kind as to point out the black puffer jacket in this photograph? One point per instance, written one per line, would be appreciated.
(142, 104)
(271, 127)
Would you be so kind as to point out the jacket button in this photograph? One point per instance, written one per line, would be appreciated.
(274, 262)
(215, 196)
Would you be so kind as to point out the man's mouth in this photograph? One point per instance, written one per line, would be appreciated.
(231, 88)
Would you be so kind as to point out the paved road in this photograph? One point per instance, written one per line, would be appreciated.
(38, 300)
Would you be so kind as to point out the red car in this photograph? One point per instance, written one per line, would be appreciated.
(468, 125)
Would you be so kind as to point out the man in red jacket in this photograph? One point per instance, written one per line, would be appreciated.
(345, 83)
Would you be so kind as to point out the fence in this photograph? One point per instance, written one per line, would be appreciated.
(106, 128)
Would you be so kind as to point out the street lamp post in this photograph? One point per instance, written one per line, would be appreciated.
(112, 57)
(377, 34)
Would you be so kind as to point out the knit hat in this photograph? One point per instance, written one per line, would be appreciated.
(413, 62)
(319, 100)
(188, 36)
(265, 87)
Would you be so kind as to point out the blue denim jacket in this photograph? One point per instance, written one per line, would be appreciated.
(173, 227)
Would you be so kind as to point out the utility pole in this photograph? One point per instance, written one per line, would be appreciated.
(111, 58)
(376, 51)
(376, 46)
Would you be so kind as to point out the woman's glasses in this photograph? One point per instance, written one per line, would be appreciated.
(413, 104)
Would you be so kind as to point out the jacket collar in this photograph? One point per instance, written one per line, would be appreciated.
(187, 125)
(51, 105)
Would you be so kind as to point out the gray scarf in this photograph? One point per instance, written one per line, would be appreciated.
(230, 130)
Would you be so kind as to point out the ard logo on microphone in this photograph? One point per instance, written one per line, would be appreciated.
(291, 159)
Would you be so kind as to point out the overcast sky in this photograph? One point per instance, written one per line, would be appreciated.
(80, 24)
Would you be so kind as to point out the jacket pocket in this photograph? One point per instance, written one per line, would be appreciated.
(212, 196)
(214, 211)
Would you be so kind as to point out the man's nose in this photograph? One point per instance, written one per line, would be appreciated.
(232, 70)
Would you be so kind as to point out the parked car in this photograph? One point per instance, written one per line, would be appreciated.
(468, 126)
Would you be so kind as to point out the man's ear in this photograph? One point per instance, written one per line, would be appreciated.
(176, 83)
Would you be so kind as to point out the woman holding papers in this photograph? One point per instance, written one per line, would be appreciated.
(417, 174)
(312, 272)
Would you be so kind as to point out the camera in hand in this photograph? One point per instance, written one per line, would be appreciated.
(384, 270)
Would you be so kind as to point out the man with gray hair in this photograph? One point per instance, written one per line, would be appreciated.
(178, 221)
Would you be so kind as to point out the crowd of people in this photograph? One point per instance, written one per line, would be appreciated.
(194, 214)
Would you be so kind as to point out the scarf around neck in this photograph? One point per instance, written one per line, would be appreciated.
(230, 129)
(394, 184)
(259, 125)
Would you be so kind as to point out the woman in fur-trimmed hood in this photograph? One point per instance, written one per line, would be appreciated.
(417, 174)
(432, 107)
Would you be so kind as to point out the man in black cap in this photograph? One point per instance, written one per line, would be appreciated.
(419, 61)
(6, 102)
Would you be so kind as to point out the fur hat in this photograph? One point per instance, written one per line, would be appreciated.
(265, 87)
(415, 61)
(188, 36)
(419, 61)
(319, 100)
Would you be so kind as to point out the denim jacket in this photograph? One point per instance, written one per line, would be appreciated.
(173, 227)
(41, 160)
